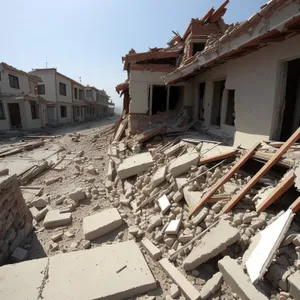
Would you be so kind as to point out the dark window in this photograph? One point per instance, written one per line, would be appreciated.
(34, 110)
(230, 115)
(2, 114)
(80, 94)
(75, 93)
(63, 111)
(13, 81)
(62, 89)
(198, 47)
(41, 89)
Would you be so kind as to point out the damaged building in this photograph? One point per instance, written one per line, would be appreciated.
(239, 82)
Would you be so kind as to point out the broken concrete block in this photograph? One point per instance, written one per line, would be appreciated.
(185, 286)
(55, 218)
(192, 198)
(133, 230)
(200, 216)
(211, 286)
(39, 203)
(57, 236)
(154, 221)
(266, 246)
(153, 251)
(101, 223)
(164, 203)
(19, 254)
(174, 291)
(91, 170)
(135, 165)
(159, 176)
(183, 163)
(53, 180)
(239, 282)
(60, 200)
(38, 215)
(77, 195)
(177, 197)
(185, 236)
(173, 227)
(172, 150)
(110, 170)
(213, 243)
(86, 244)
(294, 285)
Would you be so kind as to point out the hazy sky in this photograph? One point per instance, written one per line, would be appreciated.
(88, 38)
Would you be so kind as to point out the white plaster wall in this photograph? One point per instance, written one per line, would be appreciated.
(48, 77)
(78, 87)
(5, 124)
(139, 83)
(68, 97)
(255, 81)
(4, 82)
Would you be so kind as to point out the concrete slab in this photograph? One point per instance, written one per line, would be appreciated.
(180, 182)
(212, 244)
(159, 176)
(265, 245)
(101, 223)
(173, 227)
(192, 198)
(239, 282)
(55, 218)
(134, 165)
(153, 251)
(172, 150)
(185, 286)
(183, 163)
(294, 283)
(23, 280)
(211, 286)
(116, 272)
(163, 203)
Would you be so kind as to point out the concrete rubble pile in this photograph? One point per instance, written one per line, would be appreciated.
(173, 199)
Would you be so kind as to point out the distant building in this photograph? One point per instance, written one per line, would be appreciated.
(65, 97)
(20, 105)
(97, 102)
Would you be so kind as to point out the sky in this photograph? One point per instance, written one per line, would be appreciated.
(88, 38)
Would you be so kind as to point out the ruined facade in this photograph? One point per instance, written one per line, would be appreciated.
(243, 82)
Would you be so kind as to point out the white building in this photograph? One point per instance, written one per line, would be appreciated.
(65, 97)
(97, 102)
(20, 105)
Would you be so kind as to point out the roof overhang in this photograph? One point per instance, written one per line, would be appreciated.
(285, 23)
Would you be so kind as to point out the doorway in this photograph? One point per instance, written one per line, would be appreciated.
(291, 114)
(201, 100)
(159, 99)
(219, 87)
(14, 115)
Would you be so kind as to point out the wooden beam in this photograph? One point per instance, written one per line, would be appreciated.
(277, 192)
(275, 158)
(206, 160)
(226, 177)
(295, 206)
(283, 162)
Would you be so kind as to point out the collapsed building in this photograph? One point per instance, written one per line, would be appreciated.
(238, 81)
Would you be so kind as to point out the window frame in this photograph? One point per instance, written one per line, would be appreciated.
(62, 89)
(43, 90)
(35, 110)
(63, 108)
(14, 81)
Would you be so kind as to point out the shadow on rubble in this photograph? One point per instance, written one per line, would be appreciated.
(113, 235)
(37, 250)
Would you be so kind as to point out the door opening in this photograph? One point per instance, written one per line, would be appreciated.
(219, 87)
(201, 100)
(159, 99)
(14, 115)
(291, 115)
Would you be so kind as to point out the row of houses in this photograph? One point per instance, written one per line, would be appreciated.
(240, 81)
(45, 97)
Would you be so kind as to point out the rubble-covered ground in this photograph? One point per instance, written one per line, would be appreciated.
(90, 180)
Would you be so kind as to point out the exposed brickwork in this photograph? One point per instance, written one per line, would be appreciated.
(15, 219)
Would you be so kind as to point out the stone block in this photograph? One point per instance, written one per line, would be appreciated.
(183, 163)
(55, 218)
(159, 176)
(173, 227)
(294, 285)
(77, 195)
(101, 223)
(38, 215)
(164, 203)
(134, 165)
(153, 251)
(211, 286)
(39, 203)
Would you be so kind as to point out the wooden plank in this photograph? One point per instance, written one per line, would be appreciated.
(276, 157)
(277, 192)
(283, 162)
(226, 177)
(221, 156)
(295, 206)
